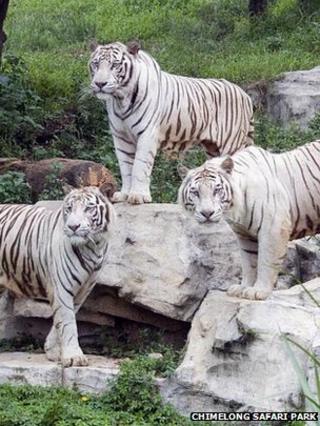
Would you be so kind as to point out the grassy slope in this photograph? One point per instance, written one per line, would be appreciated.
(192, 37)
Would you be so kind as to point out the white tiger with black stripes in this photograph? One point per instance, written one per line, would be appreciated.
(150, 109)
(56, 255)
(268, 199)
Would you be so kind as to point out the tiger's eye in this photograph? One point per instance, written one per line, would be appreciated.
(90, 209)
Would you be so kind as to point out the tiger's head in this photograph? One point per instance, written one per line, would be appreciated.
(88, 216)
(111, 67)
(206, 191)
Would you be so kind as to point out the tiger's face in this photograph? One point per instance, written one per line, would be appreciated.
(207, 191)
(111, 67)
(87, 216)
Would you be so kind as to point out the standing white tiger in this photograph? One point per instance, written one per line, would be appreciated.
(267, 198)
(150, 109)
(56, 255)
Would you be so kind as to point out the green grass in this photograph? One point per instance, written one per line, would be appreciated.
(133, 400)
(193, 37)
(45, 110)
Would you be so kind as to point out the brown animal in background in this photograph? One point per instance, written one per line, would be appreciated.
(76, 173)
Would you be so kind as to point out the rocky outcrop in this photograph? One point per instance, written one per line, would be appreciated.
(291, 97)
(236, 358)
(162, 261)
(73, 172)
(160, 266)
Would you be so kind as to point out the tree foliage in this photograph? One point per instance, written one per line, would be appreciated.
(3, 13)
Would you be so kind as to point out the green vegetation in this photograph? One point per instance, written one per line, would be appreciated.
(46, 110)
(14, 188)
(133, 399)
(192, 37)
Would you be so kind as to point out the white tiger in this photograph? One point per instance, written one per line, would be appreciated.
(56, 255)
(150, 109)
(267, 198)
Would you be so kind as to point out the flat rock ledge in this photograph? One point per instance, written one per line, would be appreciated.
(21, 368)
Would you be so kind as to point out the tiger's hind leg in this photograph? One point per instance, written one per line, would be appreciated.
(249, 258)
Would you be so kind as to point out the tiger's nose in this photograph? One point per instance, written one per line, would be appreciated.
(207, 213)
(74, 227)
(100, 84)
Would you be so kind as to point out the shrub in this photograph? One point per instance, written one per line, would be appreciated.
(21, 112)
(53, 187)
(133, 399)
(14, 188)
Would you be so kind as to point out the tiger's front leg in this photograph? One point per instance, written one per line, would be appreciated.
(52, 345)
(142, 168)
(64, 321)
(273, 242)
(249, 259)
(125, 152)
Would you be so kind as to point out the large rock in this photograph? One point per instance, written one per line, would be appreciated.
(291, 97)
(302, 263)
(162, 261)
(236, 358)
(160, 266)
(73, 172)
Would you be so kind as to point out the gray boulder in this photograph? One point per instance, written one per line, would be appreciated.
(236, 358)
(160, 266)
(291, 97)
(162, 261)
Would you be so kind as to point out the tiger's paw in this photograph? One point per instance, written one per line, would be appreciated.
(255, 293)
(137, 198)
(74, 359)
(119, 197)
(236, 290)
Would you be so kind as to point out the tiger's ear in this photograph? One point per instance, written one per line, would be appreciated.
(227, 165)
(133, 47)
(93, 45)
(182, 171)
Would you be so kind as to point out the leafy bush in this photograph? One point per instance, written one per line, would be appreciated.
(14, 188)
(133, 399)
(21, 112)
(45, 108)
(53, 187)
(276, 138)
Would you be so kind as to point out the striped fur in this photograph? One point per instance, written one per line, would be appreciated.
(268, 199)
(150, 109)
(56, 255)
